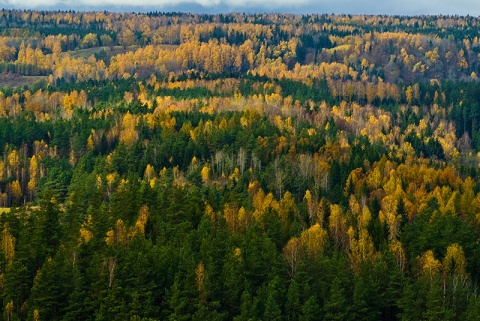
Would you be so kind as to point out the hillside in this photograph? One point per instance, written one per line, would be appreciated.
(169, 166)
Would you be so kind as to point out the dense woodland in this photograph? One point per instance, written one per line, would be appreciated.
(169, 166)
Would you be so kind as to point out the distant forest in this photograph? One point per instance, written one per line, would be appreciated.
(170, 166)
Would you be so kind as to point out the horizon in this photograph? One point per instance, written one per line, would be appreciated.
(370, 7)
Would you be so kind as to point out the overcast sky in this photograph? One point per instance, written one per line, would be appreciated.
(391, 7)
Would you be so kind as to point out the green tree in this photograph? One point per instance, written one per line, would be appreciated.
(337, 306)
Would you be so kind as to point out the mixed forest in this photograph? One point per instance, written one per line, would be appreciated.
(173, 166)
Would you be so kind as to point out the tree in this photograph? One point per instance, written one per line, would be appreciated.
(90, 40)
(314, 240)
(128, 132)
(338, 228)
(249, 307)
(293, 253)
(179, 303)
(292, 305)
(310, 310)
(8, 245)
(272, 310)
(50, 289)
(336, 304)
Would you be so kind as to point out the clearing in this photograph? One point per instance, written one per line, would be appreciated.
(14, 80)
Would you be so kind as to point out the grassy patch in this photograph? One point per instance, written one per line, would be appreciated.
(110, 50)
(4, 210)
(338, 49)
(14, 80)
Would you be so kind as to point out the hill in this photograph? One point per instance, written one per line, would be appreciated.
(232, 167)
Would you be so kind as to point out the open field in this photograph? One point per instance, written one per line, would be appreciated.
(110, 50)
(14, 80)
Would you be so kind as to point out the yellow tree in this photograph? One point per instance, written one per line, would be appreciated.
(312, 206)
(13, 163)
(8, 312)
(430, 266)
(90, 40)
(314, 240)
(462, 62)
(36, 315)
(149, 172)
(398, 253)
(338, 226)
(409, 94)
(16, 189)
(85, 231)
(245, 218)
(118, 235)
(286, 208)
(432, 56)
(230, 212)
(127, 37)
(128, 132)
(142, 219)
(454, 262)
(467, 196)
(200, 281)
(21, 54)
(204, 173)
(292, 253)
(8, 244)
(388, 215)
(3, 105)
(33, 168)
(361, 247)
(2, 171)
(6, 53)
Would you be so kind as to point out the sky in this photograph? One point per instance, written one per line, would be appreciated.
(390, 7)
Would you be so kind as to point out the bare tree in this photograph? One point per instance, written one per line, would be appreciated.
(279, 176)
(305, 167)
(256, 163)
(241, 159)
(219, 162)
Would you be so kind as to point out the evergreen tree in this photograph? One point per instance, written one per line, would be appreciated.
(310, 310)
(337, 304)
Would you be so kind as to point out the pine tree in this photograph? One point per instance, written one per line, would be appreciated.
(292, 305)
(179, 304)
(310, 310)
(249, 308)
(336, 304)
(78, 307)
(272, 310)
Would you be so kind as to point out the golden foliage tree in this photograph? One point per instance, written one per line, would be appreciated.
(292, 253)
(314, 240)
(338, 226)
(8, 245)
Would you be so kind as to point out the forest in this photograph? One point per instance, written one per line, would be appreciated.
(174, 166)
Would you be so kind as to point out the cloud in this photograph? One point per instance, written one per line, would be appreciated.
(400, 7)
(155, 3)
